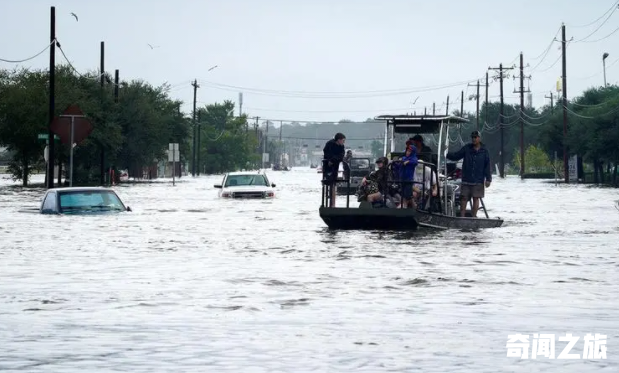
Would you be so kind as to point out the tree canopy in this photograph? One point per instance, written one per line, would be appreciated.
(133, 129)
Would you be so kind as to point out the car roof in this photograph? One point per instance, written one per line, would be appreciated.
(244, 173)
(80, 189)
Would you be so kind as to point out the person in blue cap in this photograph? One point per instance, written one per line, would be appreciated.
(476, 172)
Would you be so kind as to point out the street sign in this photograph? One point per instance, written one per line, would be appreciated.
(265, 157)
(74, 118)
(573, 169)
(174, 154)
(45, 136)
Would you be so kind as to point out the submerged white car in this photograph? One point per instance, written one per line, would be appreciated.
(246, 185)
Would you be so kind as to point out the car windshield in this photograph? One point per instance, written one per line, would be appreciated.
(359, 163)
(244, 180)
(87, 200)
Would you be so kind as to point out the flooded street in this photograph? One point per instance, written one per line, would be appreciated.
(189, 282)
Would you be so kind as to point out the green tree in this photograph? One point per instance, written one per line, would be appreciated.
(593, 129)
(535, 160)
(22, 118)
(377, 148)
(226, 142)
(133, 132)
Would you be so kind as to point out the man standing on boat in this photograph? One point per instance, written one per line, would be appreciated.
(333, 155)
(476, 172)
(424, 152)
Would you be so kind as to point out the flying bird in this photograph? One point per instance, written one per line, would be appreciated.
(153, 47)
(212, 68)
(75, 15)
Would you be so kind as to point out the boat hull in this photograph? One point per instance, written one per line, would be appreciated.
(369, 218)
(439, 221)
(399, 220)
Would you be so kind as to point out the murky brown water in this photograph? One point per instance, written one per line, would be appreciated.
(188, 282)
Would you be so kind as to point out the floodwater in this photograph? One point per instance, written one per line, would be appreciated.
(191, 283)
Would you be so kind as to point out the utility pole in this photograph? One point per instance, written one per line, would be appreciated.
(434, 108)
(462, 104)
(552, 108)
(477, 96)
(240, 104)
(52, 103)
(199, 130)
(193, 158)
(564, 90)
(502, 151)
(256, 134)
(487, 107)
(477, 102)
(425, 111)
(447, 109)
(116, 83)
(522, 92)
(281, 145)
(116, 86)
(264, 144)
(102, 149)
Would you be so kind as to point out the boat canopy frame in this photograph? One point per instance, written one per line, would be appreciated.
(409, 124)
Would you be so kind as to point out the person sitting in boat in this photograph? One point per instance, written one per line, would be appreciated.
(407, 173)
(375, 186)
(348, 156)
(426, 184)
(346, 164)
(475, 172)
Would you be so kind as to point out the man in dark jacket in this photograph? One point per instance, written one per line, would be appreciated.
(424, 152)
(475, 172)
(333, 155)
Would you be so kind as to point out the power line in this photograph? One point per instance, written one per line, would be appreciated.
(604, 38)
(600, 26)
(29, 58)
(614, 6)
(320, 138)
(96, 77)
(333, 95)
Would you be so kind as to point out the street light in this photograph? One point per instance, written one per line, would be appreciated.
(604, 56)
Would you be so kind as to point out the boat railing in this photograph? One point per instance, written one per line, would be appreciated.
(329, 186)
(426, 197)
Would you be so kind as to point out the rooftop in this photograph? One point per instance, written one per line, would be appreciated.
(80, 189)
(245, 173)
(420, 123)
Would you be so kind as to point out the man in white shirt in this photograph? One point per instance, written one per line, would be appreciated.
(426, 179)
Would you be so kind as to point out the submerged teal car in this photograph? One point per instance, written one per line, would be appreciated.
(82, 200)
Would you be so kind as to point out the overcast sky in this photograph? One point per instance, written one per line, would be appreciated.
(268, 48)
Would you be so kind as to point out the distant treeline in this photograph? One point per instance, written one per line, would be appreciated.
(131, 130)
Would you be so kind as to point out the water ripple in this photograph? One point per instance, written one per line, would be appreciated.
(188, 282)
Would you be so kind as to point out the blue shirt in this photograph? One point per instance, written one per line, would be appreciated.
(407, 171)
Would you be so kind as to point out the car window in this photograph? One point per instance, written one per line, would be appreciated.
(245, 180)
(49, 202)
(89, 200)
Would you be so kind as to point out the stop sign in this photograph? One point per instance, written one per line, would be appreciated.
(61, 125)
